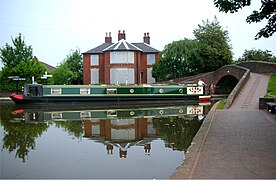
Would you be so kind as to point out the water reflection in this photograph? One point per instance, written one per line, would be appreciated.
(118, 130)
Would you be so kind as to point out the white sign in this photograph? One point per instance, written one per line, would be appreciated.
(195, 110)
(195, 90)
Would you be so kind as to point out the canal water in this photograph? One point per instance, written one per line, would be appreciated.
(72, 142)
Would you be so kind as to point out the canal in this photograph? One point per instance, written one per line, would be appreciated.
(78, 142)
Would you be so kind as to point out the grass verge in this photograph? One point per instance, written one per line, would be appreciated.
(271, 88)
(221, 104)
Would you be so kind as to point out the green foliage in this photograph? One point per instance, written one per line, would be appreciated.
(74, 128)
(61, 74)
(19, 137)
(24, 70)
(69, 71)
(74, 62)
(271, 89)
(178, 133)
(208, 52)
(216, 51)
(18, 61)
(13, 55)
(180, 58)
(257, 55)
(221, 104)
(266, 12)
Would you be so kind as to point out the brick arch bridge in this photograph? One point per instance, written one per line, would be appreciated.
(227, 77)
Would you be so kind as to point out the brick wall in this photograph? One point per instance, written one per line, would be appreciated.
(259, 66)
(86, 69)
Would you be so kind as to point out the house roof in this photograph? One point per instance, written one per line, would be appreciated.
(122, 45)
(146, 48)
(49, 67)
(99, 49)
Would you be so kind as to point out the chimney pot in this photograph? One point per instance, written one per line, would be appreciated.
(121, 35)
(108, 39)
(146, 38)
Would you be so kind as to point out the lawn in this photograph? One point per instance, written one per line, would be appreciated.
(271, 88)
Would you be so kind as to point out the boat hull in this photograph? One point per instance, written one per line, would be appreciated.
(86, 99)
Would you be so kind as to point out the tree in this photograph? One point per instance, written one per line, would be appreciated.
(208, 52)
(266, 11)
(180, 58)
(257, 55)
(18, 61)
(216, 50)
(74, 63)
(69, 71)
(13, 55)
(61, 74)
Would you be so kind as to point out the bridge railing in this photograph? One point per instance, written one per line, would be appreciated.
(237, 89)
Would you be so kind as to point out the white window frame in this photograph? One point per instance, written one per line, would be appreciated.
(85, 114)
(122, 57)
(127, 79)
(150, 59)
(55, 91)
(94, 60)
(56, 115)
(93, 81)
(84, 90)
(150, 79)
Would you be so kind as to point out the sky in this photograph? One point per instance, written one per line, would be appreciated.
(55, 27)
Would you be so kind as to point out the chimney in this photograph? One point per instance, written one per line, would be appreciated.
(108, 38)
(121, 35)
(146, 38)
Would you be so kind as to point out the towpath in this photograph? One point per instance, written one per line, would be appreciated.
(239, 142)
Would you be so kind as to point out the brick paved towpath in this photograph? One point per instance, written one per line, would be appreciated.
(239, 142)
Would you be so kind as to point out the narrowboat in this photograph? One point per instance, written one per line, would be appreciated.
(47, 94)
(42, 115)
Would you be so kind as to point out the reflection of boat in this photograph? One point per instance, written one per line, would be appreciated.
(95, 114)
(39, 94)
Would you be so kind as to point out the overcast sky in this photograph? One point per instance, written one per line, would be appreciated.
(54, 27)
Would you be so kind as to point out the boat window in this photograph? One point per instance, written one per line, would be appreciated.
(56, 91)
(85, 114)
(111, 91)
(32, 91)
(84, 90)
(111, 113)
(56, 115)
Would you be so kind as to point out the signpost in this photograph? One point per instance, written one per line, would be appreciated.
(46, 76)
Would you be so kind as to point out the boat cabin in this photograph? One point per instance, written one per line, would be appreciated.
(35, 90)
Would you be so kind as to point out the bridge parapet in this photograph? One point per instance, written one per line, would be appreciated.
(240, 72)
(259, 66)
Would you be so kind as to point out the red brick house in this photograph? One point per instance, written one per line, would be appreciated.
(121, 62)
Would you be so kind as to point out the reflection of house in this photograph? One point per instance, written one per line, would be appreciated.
(122, 133)
(120, 129)
(120, 62)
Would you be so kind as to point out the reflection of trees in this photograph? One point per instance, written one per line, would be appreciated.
(177, 132)
(74, 128)
(20, 136)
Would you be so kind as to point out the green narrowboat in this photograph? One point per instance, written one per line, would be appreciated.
(44, 94)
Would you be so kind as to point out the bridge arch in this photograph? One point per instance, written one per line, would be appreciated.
(226, 84)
